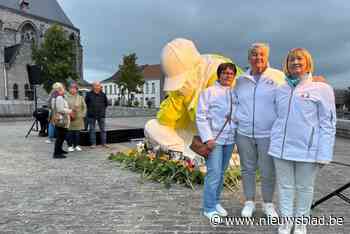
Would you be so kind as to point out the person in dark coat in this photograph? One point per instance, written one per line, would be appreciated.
(96, 102)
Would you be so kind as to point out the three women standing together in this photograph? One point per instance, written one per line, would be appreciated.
(282, 123)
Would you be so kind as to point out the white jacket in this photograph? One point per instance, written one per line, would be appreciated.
(212, 112)
(256, 110)
(305, 127)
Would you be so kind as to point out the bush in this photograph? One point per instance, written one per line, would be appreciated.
(136, 103)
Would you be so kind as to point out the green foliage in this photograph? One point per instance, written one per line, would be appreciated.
(232, 179)
(136, 103)
(57, 57)
(159, 169)
(130, 75)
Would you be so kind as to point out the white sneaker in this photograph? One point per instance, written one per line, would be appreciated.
(77, 148)
(70, 149)
(248, 209)
(214, 217)
(300, 229)
(285, 228)
(221, 210)
(48, 141)
(269, 210)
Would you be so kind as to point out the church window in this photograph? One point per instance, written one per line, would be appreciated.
(28, 92)
(15, 91)
(28, 33)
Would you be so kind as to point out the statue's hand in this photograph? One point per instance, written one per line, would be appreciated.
(319, 79)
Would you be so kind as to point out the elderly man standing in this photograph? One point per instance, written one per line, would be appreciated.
(96, 102)
(256, 114)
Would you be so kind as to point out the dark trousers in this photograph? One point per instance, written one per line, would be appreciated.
(73, 138)
(61, 132)
(92, 130)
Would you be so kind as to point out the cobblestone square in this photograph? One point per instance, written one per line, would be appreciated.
(86, 193)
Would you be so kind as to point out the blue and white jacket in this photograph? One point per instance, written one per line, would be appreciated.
(212, 111)
(256, 109)
(305, 126)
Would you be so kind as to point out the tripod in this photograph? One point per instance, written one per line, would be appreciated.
(35, 122)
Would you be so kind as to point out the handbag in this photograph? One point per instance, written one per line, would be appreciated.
(59, 119)
(74, 113)
(201, 148)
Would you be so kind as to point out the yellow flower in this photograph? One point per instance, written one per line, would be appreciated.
(151, 156)
(163, 158)
(203, 169)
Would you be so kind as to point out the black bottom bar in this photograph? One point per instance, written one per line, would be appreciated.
(113, 136)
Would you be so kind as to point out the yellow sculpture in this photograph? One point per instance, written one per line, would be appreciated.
(187, 74)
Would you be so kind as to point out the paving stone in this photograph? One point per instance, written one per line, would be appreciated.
(86, 193)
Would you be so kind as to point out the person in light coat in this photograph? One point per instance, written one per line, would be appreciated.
(60, 105)
(213, 111)
(256, 114)
(302, 137)
(77, 104)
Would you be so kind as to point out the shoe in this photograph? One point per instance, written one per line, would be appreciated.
(269, 210)
(285, 228)
(248, 209)
(213, 217)
(64, 152)
(59, 156)
(77, 148)
(48, 141)
(70, 149)
(300, 229)
(221, 210)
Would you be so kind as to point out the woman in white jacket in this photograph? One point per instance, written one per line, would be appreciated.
(215, 105)
(302, 137)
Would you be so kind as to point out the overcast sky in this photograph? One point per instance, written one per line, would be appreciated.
(111, 28)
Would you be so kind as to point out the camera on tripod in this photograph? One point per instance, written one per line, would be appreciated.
(42, 116)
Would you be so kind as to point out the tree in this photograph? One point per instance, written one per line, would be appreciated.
(130, 77)
(56, 55)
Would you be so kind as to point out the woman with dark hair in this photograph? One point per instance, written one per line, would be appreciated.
(214, 120)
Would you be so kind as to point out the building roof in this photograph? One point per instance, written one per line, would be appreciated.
(46, 9)
(11, 52)
(152, 72)
(113, 78)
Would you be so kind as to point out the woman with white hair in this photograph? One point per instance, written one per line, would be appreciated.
(256, 114)
(60, 106)
(51, 127)
(302, 137)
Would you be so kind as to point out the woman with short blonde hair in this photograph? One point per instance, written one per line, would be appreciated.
(302, 137)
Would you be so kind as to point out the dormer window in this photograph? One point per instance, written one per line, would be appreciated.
(24, 4)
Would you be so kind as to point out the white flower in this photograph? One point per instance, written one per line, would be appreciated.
(140, 147)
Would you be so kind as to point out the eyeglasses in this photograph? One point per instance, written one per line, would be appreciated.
(228, 73)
